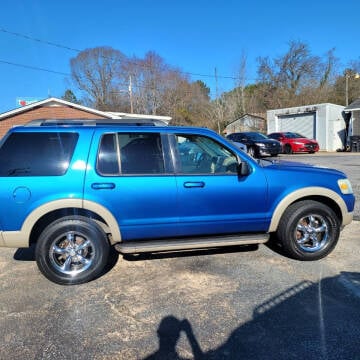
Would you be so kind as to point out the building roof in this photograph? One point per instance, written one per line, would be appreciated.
(248, 115)
(52, 101)
(355, 105)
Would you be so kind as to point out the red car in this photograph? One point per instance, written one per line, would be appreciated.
(293, 142)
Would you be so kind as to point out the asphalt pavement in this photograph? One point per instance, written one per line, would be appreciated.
(237, 303)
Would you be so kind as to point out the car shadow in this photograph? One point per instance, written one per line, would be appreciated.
(311, 320)
(190, 253)
(25, 254)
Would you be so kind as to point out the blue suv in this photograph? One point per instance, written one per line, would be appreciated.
(76, 188)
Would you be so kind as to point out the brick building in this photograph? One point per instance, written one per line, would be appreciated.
(54, 108)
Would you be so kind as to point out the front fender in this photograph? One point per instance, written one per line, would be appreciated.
(306, 193)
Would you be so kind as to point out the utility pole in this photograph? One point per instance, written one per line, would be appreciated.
(130, 95)
(347, 76)
(217, 101)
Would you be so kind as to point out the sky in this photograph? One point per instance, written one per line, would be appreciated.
(195, 36)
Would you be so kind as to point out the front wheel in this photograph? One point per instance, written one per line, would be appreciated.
(72, 250)
(252, 151)
(308, 230)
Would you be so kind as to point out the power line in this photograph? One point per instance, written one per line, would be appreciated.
(50, 43)
(137, 85)
(27, 37)
(34, 68)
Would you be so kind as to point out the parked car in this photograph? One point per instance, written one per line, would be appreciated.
(257, 144)
(240, 145)
(293, 142)
(74, 189)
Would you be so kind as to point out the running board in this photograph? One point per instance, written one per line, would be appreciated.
(134, 247)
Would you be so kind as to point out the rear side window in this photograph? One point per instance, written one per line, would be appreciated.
(130, 154)
(37, 154)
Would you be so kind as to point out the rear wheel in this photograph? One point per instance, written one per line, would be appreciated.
(72, 250)
(308, 230)
(288, 149)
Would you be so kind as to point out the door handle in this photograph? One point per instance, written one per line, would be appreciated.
(101, 186)
(194, 184)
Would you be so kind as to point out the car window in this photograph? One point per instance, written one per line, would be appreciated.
(108, 160)
(291, 135)
(257, 136)
(202, 155)
(37, 154)
(233, 137)
(130, 154)
(299, 136)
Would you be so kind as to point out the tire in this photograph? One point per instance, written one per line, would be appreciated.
(72, 250)
(308, 230)
(288, 149)
(252, 151)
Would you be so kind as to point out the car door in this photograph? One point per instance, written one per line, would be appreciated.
(213, 197)
(132, 177)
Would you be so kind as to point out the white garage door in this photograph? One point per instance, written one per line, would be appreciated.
(303, 124)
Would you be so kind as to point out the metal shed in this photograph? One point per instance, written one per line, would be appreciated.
(323, 122)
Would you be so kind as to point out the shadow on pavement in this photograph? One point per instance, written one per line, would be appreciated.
(189, 253)
(25, 254)
(315, 321)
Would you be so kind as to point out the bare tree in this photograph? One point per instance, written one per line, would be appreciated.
(97, 72)
(151, 78)
(286, 76)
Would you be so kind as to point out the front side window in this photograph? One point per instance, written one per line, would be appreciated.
(202, 155)
(130, 154)
(37, 154)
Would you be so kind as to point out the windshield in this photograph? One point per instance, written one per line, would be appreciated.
(256, 136)
(291, 135)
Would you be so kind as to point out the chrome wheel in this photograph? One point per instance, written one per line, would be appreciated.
(72, 250)
(308, 230)
(72, 253)
(312, 233)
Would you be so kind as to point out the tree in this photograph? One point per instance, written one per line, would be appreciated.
(286, 76)
(70, 96)
(97, 72)
(350, 76)
(204, 89)
(160, 89)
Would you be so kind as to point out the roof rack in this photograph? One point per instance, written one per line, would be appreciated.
(97, 122)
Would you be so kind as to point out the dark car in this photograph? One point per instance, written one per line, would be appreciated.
(257, 144)
(293, 142)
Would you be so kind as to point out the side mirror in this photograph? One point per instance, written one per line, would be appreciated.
(244, 169)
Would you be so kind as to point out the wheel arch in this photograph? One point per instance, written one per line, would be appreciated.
(322, 195)
(38, 219)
